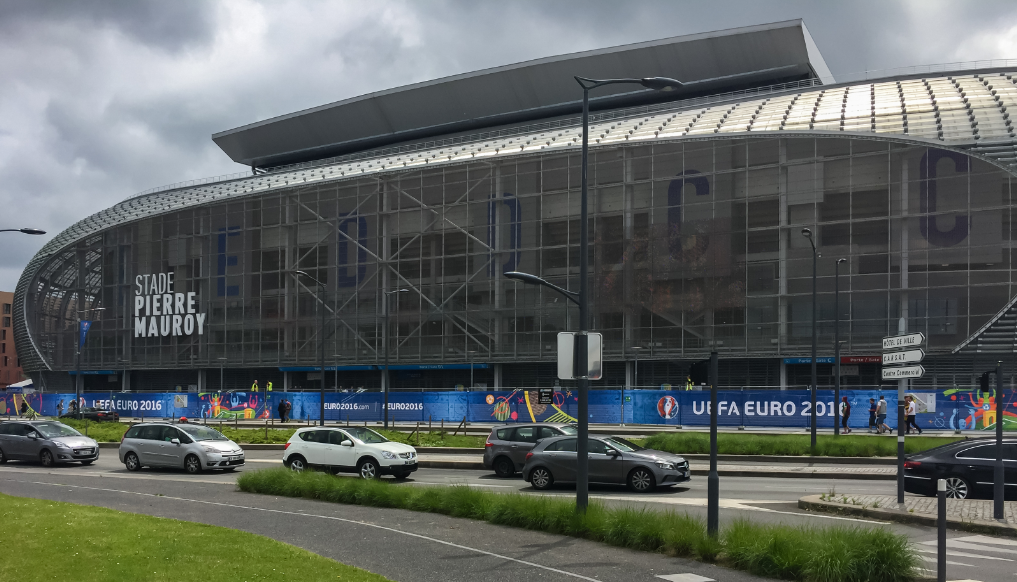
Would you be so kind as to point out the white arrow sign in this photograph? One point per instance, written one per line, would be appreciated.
(903, 372)
(904, 357)
(911, 340)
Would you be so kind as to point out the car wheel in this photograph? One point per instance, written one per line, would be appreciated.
(641, 480)
(46, 458)
(541, 478)
(132, 462)
(367, 468)
(86, 463)
(957, 488)
(192, 464)
(3, 457)
(297, 463)
(504, 468)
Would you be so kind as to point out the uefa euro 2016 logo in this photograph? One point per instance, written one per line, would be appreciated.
(667, 407)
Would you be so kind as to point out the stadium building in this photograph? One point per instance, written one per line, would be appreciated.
(698, 199)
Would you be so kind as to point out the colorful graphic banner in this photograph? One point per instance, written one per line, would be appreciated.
(953, 409)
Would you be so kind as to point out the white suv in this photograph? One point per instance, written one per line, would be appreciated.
(349, 449)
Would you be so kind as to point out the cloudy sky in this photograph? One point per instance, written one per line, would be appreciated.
(101, 100)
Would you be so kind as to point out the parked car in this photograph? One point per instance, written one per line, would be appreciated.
(506, 447)
(612, 460)
(46, 441)
(94, 414)
(349, 449)
(191, 446)
(968, 467)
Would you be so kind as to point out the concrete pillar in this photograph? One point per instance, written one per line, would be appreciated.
(497, 377)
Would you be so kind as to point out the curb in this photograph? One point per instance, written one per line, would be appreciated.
(814, 503)
(797, 475)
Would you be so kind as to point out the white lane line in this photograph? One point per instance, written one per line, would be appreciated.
(936, 560)
(353, 521)
(687, 577)
(734, 504)
(987, 540)
(142, 477)
(954, 544)
(965, 555)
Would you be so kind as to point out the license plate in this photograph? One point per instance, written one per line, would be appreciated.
(84, 451)
(408, 463)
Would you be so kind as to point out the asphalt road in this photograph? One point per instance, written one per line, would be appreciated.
(408, 546)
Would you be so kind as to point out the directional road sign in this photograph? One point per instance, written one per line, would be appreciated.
(903, 372)
(911, 340)
(903, 357)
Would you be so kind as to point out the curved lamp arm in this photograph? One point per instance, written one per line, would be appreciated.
(535, 280)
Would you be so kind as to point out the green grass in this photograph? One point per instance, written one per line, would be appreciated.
(64, 541)
(435, 439)
(103, 432)
(791, 444)
(832, 554)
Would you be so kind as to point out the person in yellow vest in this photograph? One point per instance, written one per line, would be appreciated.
(688, 383)
(254, 387)
(268, 387)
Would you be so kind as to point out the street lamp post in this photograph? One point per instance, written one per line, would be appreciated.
(321, 340)
(635, 379)
(470, 353)
(79, 384)
(807, 233)
(582, 299)
(388, 295)
(836, 347)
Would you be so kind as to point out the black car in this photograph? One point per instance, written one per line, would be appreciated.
(94, 414)
(968, 467)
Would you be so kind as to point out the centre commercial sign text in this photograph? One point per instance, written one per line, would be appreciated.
(165, 313)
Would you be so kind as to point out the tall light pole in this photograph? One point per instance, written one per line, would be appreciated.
(635, 379)
(470, 353)
(388, 295)
(807, 233)
(321, 340)
(83, 327)
(836, 347)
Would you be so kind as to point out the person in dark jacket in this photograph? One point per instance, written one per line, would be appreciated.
(281, 408)
(23, 411)
(872, 415)
(289, 407)
(845, 414)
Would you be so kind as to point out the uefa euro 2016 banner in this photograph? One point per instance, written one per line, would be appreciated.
(953, 409)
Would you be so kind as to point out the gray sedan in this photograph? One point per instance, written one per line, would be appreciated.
(612, 460)
(46, 441)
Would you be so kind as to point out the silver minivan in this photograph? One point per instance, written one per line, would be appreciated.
(45, 441)
(191, 446)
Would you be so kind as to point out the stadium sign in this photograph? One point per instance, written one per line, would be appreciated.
(161, 312)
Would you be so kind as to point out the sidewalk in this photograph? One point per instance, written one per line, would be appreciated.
(973, 515)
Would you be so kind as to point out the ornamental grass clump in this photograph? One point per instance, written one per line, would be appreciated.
(794, 445)
(835, 554)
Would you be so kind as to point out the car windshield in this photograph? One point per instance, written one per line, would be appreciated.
(365, 435)
(623, 445)
(56, 429)
(202, 433)
(569, 430)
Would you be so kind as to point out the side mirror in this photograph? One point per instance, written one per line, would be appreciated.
(175, 441)
(347, 443)
(612, 453)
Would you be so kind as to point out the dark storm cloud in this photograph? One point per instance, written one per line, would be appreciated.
(101, 100)
(168, 25)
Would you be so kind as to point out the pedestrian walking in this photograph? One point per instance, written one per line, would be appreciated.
(881, 426)
(912, 412)
(845, 414)
(60, 408)
(23, 411)
(289, 406)
(873, 427)
(281, 409)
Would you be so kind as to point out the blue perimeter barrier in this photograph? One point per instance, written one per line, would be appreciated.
(953, 409)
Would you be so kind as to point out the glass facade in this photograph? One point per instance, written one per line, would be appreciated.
(696, 246)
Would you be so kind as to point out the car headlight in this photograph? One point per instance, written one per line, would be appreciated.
(211, 450)
(665, 465)
(388, 455)
(61, 445)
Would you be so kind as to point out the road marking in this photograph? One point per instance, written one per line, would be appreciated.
(111, 475)
(689, 577)
(964, 554)
(936, 561)
(954, 544)
(987, 540)
(739, 504)
(353, 521)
